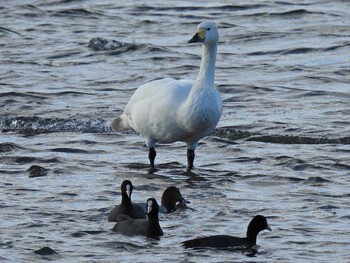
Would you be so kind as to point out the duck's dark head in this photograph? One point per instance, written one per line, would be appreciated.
(126, 188)
(257, 224)
(152, 208)
(172, 198)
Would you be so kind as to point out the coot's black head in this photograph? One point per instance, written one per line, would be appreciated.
(126, 188)
(152, 208)
(171, 196)
(257, 224)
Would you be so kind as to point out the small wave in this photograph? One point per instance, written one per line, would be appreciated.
(316, 180)
(342, 166)
(65, 54)
(32, 11)
(187, 8)
(301, 50)
(73, 150)
(296, 164)
(117, 47)
(328, 207)
(31, 126)
(238, 7)
(8, 31)
(35, 125)
(45, 251)
(291, 51)
(26, 160)
(342, 72)
(13, 94)
(75, 12)
(286, 139)
(298, 50)
(101, 44)
(37, 171)
(8, 147)
(231, 133)
(296, 13)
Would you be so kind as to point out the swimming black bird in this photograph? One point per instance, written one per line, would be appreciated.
(257, 224)
(148, 227)
(126, 207)
(171, 201)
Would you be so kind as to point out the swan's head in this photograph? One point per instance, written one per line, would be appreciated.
(207, 33)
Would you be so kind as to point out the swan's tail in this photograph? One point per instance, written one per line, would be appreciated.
(118, 124)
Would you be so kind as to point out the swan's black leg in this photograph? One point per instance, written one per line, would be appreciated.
(190, 159)
(152, 155)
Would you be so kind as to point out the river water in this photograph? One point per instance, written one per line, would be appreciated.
(281, 148)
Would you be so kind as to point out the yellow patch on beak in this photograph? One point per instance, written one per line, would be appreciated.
(201, 33)
(199, 36)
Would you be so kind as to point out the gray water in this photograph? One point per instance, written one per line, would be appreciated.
(281, 148)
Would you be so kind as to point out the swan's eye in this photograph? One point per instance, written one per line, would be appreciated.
(208, 29)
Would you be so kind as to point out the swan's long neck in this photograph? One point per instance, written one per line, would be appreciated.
(206, 73)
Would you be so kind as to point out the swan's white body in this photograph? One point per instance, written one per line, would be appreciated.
(169, 110)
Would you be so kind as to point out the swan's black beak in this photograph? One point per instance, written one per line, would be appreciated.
(198, 37)
(195, 39)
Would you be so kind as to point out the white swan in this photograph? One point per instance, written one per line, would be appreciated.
(169, 110)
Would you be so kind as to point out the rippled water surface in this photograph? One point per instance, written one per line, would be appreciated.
(281, 148)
